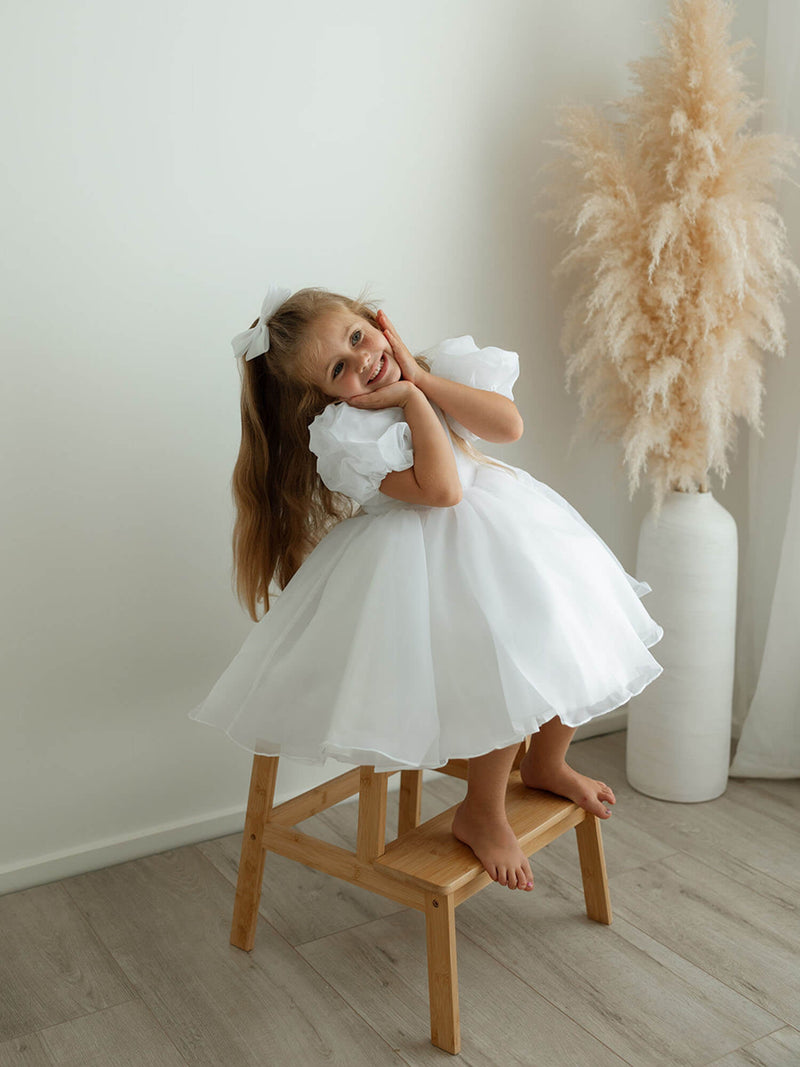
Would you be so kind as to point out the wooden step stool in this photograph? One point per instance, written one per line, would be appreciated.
(424, 868)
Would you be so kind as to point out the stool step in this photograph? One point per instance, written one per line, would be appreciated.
(430, 857)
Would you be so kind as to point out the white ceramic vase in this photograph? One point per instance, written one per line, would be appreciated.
(679, 727)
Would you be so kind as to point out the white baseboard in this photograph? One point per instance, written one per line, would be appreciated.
(81, 860)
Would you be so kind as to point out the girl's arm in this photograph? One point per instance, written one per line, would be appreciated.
(491, 416)
(433, 480)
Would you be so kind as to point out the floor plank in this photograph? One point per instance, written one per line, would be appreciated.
(52, 966)
(632, 993)
(747, 936)
(781, 1049)
(504, 1021)
(748, 826)
(27, 1051)
(129, 1029)
(166, 920)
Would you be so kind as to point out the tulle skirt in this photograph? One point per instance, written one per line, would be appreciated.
(418, 634)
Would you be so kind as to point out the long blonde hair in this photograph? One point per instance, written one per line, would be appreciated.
(283, 508)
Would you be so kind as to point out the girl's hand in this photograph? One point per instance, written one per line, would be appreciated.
(396, 395)
(409, 367)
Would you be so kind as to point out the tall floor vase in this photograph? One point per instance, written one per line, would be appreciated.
(679, 728)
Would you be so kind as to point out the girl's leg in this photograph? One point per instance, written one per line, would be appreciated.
(480, 820)
(544, 768)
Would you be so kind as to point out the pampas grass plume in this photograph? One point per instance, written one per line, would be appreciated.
(680, 253)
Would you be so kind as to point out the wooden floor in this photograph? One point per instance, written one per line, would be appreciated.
(131, 967)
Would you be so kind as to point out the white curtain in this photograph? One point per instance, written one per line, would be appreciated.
(768, 639)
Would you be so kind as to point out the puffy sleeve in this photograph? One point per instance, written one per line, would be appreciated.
(460, 360)
(356, 448)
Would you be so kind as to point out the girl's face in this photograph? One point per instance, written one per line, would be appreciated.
(352, 356)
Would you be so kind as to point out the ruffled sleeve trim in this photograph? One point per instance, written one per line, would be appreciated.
(356, 448)
(460, 360)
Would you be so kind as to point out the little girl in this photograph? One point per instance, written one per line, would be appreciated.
(463, 606)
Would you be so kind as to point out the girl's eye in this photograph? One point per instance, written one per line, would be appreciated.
(355, 337)
(337, 368)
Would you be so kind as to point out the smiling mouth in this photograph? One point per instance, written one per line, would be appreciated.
(378, 370)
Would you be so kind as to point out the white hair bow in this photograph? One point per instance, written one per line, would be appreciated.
(255, 341)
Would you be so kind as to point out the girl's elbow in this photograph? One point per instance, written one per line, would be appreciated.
(517, 428)
(511, 426)
(449, 496)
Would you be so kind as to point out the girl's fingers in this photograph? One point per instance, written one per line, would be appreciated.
(395, 343)
(401, 352)
(388, 322)
(394, 340)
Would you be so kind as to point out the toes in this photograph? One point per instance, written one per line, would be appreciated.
(593, 803)
(517, 878)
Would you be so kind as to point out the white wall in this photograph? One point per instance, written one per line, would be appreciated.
(167, 161)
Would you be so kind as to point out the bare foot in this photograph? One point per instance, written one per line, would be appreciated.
(495, 844)
(586, 792)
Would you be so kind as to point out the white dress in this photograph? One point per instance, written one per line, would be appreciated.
(414, 634)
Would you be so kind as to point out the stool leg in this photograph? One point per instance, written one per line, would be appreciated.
(371, 834)
(440, 929)
(251, 861)
(410, 801)
(593, 869)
